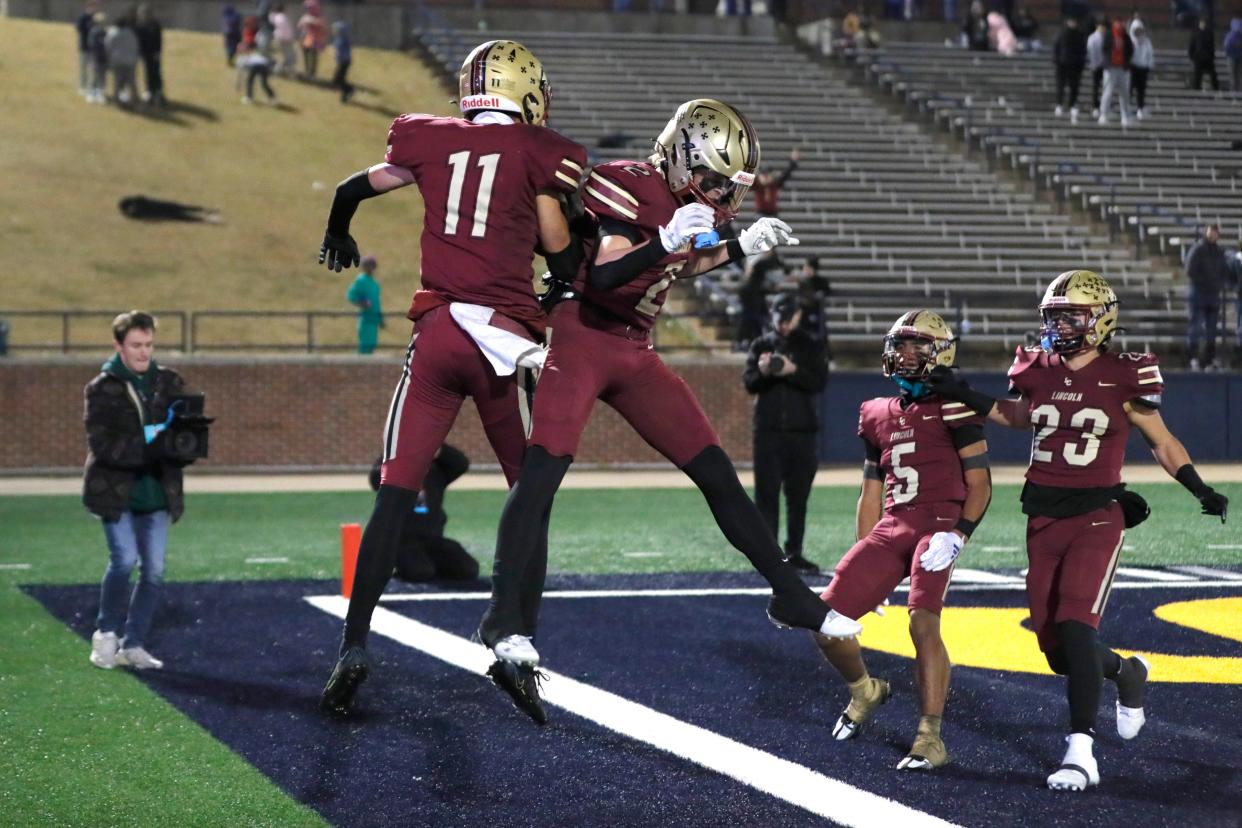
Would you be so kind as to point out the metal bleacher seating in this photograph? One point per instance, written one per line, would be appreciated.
(897, 218)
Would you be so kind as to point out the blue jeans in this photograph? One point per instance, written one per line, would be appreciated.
(132, 538)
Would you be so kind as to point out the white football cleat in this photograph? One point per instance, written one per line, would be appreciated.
(1078, 770)
(516, 649)
(837, 625)
(1130, 720)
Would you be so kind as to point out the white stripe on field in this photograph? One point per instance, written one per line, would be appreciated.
(15, 566)
(979, 576)
(1001, 548)
(821, 795)
(1152, 574)
(266, 560)
(1208, 572)
(643, 554)
(1225, 546)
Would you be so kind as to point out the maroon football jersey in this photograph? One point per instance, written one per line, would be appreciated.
(1078, 417)
(633, 192)
(478, 183)
(917, 455)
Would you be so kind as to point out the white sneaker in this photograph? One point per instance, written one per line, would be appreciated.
(1142, 114)
(1095, 113)
(1078, 770)
(1130, 720)
(103, 649)
(837, 625)
(516, 649)
(1059, 111)
(1103, 120)
(247, 100)
(1194, 364)
(1125, 122)
(137, 658)
(1073, 115)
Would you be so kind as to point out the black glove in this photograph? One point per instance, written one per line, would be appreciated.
(339, 251)
(1214, 503)
(1134, 508)
(945, 382)
(557, 291)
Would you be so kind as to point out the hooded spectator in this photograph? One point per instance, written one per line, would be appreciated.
(975, 28)
(1070, 55)
(1118, 52)
(1202, 51)
(1233, 51)
(121, 43)
(1141, 64)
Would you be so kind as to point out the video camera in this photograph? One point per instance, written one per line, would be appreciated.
(184, 438)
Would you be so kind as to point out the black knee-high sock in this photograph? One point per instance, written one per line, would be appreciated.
(1080, 646)
(739, 520)
(377, 555)
(533, 579)
(521, 545)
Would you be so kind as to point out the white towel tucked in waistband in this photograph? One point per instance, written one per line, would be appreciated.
(506, 351)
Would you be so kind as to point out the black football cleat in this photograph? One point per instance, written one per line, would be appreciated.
(350, 671)
(521, 682)
(798, 609)
(801, 564)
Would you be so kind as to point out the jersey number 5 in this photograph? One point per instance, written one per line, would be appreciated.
(460, 161)
(1093, 423)
(909, 477)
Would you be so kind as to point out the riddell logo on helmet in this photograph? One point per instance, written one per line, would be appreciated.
(481, 102)
(743, 178)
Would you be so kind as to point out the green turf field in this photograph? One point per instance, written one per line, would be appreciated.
(87, 747)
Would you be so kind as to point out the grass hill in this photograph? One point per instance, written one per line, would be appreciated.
(270, 171)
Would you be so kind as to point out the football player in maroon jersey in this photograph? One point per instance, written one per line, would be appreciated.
(492, 183)
(1081, 401)
(926, 486)
(650, 216)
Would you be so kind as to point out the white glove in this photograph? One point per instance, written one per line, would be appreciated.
(941, 552)
(765, 234)
(685, 224)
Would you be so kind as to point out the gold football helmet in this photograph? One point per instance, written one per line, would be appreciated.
(1078, 312)
(504, 75)
(934, 344)
(713, 136)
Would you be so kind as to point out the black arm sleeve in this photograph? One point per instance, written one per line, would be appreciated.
(965, 436)
(349, 194)
(872, 451)
(629, 267)
(563, 265)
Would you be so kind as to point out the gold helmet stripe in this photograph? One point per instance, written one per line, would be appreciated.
(625, 211)
(617, 188)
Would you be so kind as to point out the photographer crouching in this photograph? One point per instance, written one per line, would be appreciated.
(138, 440)
(787, 370)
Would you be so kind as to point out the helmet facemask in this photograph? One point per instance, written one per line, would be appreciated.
(1078, 313)
(918, 342)
(706, 136)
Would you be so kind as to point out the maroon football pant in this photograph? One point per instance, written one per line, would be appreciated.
(585, 364)
(876, 564)
(1071, 566)
(443, 366)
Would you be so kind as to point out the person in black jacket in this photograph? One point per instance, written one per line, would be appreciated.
(150, 45)
(131, 487)
(1202, 51)
(786, 370)
(425, 553)
(1070, 54)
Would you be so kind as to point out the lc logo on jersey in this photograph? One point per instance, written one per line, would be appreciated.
(1008, 645)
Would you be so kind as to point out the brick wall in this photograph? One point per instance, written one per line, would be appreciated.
(307, 412)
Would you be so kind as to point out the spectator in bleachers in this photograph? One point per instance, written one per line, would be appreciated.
(1141, 64)
(1208, 272)
(767, 187)
(1118, 52)
(122, 45)
(1026, 29)
(753, 296)
(975, 28)
(1233, 51)
(1000, 36)
(1202, 51)
(1234, 261)
(83, 27)
(1095, 62)
(231, 28)
(1070, 55)
(813, 292)
(150, 44)
(285, 39)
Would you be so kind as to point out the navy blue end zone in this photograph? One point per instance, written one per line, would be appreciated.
(436, 745)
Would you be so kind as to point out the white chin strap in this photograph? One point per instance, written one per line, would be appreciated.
(491, 116)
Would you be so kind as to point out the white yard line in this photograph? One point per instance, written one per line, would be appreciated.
(266, 560)
(799, 785)
(15, 566)
(1153, 574)
(1208, 572)
(980, 576)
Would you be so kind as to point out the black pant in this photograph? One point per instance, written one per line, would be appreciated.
(155, 78)
(785, 459)
(339, 82)
(1097, 78)
(1069, 78)
(1208, 69)
(1138, 82)
(262, 73)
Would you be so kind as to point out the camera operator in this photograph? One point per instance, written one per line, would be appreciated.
(787, 370)
(132, 486)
